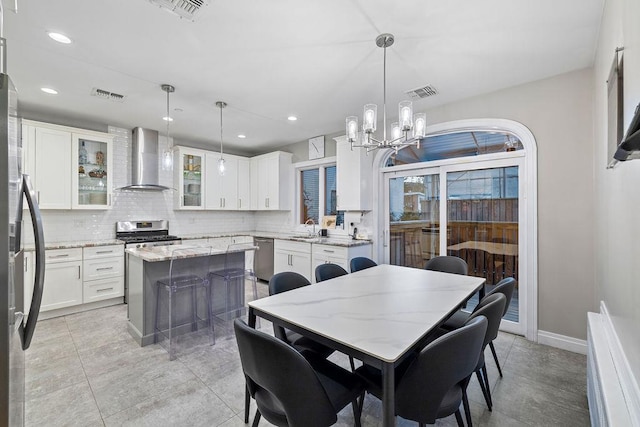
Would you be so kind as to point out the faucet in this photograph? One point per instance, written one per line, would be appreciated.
(314, 226)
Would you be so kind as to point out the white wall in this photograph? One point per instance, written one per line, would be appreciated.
(617, 190)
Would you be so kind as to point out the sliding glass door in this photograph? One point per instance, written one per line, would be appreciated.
(470, 210)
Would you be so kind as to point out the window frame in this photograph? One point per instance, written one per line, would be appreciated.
(321, 165)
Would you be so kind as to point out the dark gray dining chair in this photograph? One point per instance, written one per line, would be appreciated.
(361, 263)
(447, 264)
(329, 271)
(491, 308)
(433, 384)
(290, 390)
(283, 282)
(506, 287)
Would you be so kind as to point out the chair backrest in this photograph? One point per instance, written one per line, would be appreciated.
(438, 367)
(278, 374)
(490, 307)
(283, 282)
(235, 251)
(189, 261)
(286, 281)
(447, 264)
(506, 287)
(329, 271)
(360, 263)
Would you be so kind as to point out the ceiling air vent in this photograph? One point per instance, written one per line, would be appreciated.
(183, 8)
(422, 92)
(105, 94)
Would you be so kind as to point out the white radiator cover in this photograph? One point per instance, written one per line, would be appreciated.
(614, 399)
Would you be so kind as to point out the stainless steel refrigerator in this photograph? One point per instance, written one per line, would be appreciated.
(16, 329)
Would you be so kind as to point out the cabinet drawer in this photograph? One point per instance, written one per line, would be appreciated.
(103, 251)
(53, 256)
(331, 251)
(291, 246)
(97, 290)
(101, 268)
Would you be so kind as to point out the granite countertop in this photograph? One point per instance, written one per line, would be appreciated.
(332, 241)
(75, 244)
(165, 253)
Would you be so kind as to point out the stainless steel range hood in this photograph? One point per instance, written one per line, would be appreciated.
(144, 161)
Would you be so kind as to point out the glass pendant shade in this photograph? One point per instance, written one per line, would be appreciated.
(221, 166)
(370, 117)
(395, 130)
(167, 153)
(419, 125)
(351, 124)
(405, 114)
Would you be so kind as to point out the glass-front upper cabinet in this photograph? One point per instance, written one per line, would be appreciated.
(189, 170)
(92, 159)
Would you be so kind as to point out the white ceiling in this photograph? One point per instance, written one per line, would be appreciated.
(316, 59)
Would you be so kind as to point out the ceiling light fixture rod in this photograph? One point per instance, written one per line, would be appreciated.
(221, 165)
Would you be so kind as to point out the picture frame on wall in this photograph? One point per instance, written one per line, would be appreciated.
(615, 104)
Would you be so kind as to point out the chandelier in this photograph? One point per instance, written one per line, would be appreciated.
(408, 130)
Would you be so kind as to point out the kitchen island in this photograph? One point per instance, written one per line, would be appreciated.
(146, 266)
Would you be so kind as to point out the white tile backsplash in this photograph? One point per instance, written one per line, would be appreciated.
(74, 225)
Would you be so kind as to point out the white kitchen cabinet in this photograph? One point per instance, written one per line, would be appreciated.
(322, 254)
(103, 272)
(47, 159)
(62, 174)
(272, 182)
(62, 279)
(244, 183)
(221, 190)
(92, 179)
(188, 177)
(354, 177)
(292, 256)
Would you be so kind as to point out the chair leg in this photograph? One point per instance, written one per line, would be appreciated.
(172, 354)
(207, 290)
(254, 284)
(467, 410)
(352, 363)
(486, 381)
(256, 418)
(356, 412)
(495, 357)
(459, 418)
(484, 389)
(156, 328)
(247, 402)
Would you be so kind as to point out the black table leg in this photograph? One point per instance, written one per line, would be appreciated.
(388, 395)
(252, 318)
(247, 399)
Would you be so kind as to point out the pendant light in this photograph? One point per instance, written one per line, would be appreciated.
(221, 165)
(167, 153)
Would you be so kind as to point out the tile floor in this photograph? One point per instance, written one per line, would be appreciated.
(85, 370)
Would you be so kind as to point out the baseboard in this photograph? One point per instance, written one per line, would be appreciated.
(563, 342)
(50, 314)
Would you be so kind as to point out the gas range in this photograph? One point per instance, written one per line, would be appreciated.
(140, 234)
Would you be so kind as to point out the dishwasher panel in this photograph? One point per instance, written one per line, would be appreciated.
(264, 258)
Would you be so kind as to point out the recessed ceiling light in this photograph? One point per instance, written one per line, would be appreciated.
(60, 38)
(167, 119)
(292, 118)
(49, 90)
(242, 136)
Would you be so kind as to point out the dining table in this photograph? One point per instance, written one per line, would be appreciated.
(379, 315)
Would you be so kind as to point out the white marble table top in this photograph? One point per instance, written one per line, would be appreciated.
(381, 311)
